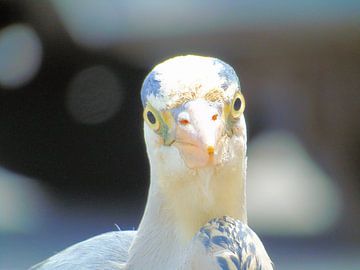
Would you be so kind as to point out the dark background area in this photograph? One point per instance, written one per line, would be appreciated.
(86, 168)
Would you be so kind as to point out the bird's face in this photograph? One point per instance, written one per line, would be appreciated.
(200, 132)
(193, 113)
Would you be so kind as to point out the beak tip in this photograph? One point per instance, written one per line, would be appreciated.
(210, 150)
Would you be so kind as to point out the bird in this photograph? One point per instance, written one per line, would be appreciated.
(195, 215)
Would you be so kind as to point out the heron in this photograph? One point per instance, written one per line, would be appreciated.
(195, 216)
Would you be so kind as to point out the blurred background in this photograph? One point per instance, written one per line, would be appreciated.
(72, 156)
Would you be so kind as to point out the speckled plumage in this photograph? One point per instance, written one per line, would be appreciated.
(234, 245)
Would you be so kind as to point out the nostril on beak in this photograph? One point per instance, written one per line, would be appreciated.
(184, 122)
(210, 150)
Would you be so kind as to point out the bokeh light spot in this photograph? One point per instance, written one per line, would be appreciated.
(94, 95)
(22, 203)
(288, 193)
(20, 55)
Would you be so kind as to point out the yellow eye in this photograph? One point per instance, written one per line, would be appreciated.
(151, 117)
(237, 105)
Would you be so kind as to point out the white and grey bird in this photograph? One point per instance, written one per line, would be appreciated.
(195, 216)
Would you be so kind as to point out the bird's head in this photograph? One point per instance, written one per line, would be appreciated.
(193, 114)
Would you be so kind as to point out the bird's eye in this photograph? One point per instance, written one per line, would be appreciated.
(151, 118)
(237, 105)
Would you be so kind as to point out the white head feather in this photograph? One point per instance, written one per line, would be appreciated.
(186, 76)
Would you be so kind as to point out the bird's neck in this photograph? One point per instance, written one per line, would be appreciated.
(176, 209)
(200, 195)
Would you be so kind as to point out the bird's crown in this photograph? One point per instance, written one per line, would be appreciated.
(184, 78)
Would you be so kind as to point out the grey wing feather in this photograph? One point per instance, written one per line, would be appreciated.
(107, 251)
(233, 245)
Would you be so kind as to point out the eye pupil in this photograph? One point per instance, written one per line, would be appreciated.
(237, 104)
(151, 117)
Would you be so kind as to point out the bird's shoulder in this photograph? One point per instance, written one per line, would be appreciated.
(233, 245)
(106, 252)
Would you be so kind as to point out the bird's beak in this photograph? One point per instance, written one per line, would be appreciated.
(198, 132)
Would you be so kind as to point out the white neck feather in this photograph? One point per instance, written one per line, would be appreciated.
(176, 209)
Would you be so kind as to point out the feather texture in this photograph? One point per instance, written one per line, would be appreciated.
(234, 245)
(103, 252)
